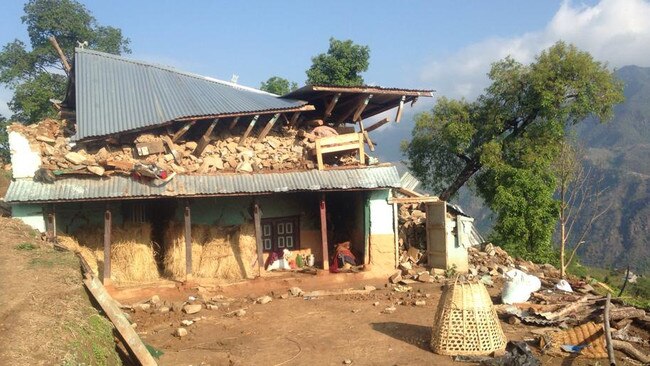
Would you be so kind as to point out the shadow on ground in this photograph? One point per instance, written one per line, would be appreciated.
(417, 335)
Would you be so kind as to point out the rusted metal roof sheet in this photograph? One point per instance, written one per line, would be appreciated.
(118, 187)
(114, 94)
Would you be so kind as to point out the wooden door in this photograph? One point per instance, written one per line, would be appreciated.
(437, 234)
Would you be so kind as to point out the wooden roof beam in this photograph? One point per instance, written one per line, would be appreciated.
(183, 130)
(248, 129)
(233, 123)
(331, 104)
(361, 107)
(267, 128)
(205, 139)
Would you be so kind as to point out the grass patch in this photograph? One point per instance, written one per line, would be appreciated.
(26, 246)
(54, 259)
(93, 343)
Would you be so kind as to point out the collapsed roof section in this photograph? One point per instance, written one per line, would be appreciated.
(111, 94)
(350, 104)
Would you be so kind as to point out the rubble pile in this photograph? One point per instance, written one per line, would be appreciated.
(494, 261)
(412, 230)
(155, 155)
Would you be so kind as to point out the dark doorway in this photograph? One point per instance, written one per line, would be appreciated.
(345, 221)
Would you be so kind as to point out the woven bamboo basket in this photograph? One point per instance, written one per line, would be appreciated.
(466, 323)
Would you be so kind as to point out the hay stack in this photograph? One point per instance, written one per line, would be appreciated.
(217, 252)
(174, 260)
(132, 253)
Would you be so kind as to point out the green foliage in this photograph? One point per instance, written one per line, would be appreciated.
(278, 85)
(506, 140)
(26, 246)
(93, 343)
(341, 65)
(36, 75)
(4, 141)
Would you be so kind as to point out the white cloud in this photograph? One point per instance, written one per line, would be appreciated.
(613, 31)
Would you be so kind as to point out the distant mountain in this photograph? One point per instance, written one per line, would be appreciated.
(619, 151)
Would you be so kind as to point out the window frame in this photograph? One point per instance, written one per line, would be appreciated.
(278, 224)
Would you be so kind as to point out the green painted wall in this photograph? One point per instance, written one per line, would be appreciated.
(74, 215)
(30, 214)
(381, 212)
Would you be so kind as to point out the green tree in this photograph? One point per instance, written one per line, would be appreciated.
(37, 75)
(4, 141)
(506, 140)
(341, 65)
(278, 85)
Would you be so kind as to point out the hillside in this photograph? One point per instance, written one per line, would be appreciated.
(620, 151)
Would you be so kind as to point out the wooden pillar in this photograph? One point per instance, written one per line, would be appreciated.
(323, 232)
(257, 217)
(106, 278)
(50, 229)
(188, 242)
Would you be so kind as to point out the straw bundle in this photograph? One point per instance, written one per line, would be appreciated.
(174, 260)
(217, 252)
(132, 254)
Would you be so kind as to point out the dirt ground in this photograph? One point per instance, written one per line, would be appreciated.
(46, 317)
(323, 330)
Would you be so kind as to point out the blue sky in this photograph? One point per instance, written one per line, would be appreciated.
(443, 45)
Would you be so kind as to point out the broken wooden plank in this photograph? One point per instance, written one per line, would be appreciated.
(205, 139)
(128, 335)
(378, 124)
(400, 109)
(413, 199)
(64, 60)
(172, 150)
(332, 104)
(121, 165)
(183, 130)
(267, 128)
(248, 129)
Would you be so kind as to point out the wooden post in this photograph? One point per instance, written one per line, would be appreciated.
(50, 230)
(323, 232)
(188, 242)
(106, 278)
(377, 125)
(608, 332)
(204, 141)
(257, 217)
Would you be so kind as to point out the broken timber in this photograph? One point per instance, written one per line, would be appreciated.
(332, 104)
(182, 131)
(400, 109)
(124, 329)
(377, 125)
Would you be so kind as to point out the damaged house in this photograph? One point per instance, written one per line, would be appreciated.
(156, 173)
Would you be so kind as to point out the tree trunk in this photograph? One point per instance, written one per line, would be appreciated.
(462, 178)
(563, 238)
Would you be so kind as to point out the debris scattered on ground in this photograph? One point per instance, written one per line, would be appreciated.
(192, 308)
(181, 332)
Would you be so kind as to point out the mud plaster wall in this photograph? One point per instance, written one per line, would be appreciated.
(382, 235)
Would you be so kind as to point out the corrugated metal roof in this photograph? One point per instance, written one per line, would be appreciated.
(79, 189)
(115, 94)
